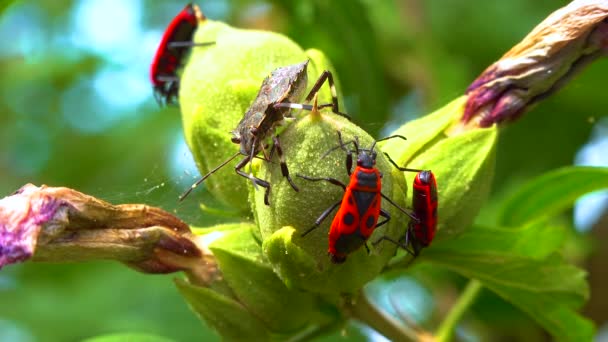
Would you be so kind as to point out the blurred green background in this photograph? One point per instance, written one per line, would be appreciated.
(77, 110)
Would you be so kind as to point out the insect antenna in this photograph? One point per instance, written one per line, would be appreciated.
(198, 182)
(371, 149)
(392, 137)
(342, 146)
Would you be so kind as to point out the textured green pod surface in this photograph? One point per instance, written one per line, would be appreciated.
(218, 84)
(302, 262)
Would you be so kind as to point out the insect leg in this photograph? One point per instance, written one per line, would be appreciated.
(399, 167)
(294, 106)
(387, 217)
(400, 245)
(327, 76)
(366, 247)
(327, 179)
(412, 216)
(163, 78)
(284, 169)
(409, 240)
(252, 178)
(322, 217)
(174, 45)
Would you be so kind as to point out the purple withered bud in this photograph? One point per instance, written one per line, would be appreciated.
(21, 217)
(61, 224)
(539, 65)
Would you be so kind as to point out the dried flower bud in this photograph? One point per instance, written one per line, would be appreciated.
(543, 62)
(61, 224)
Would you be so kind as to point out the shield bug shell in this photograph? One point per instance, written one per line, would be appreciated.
(279, 93)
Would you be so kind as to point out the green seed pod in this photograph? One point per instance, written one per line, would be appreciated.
(302, 262)
(219, 82)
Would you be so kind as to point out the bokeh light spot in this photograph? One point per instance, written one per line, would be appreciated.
(589, 208)
(107, 27)
(21, 32)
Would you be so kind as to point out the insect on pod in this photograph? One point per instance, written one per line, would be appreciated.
(256, 132)
(174, 45)
(420, 232)
(360, 207)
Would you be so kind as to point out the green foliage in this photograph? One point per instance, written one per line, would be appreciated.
(520, 263)
(385, 53)
(551, 193)
(131, 337)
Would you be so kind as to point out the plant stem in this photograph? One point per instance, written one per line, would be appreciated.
(446, 329)
(363, 310)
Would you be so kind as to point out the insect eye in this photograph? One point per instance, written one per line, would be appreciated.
(236, 140)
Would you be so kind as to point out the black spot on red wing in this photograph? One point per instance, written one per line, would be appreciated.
(348, 219)
(370, 222)
(364, 200)
(350, 200)
(348, 243)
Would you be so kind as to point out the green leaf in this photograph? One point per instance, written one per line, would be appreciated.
(423, 132)
(228, 317)
(551, 193)
(549, 290)
(131, 337)
(257, 287)
(536, 240)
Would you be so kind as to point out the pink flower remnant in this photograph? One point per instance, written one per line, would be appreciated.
(539, 65)
(22, 216)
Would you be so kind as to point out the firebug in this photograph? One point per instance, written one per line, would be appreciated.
(420, 232)
(360, 206)
(174, 46)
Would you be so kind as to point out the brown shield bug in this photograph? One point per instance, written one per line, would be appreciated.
(280, 92)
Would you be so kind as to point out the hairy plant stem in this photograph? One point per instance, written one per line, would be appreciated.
(467, 298)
